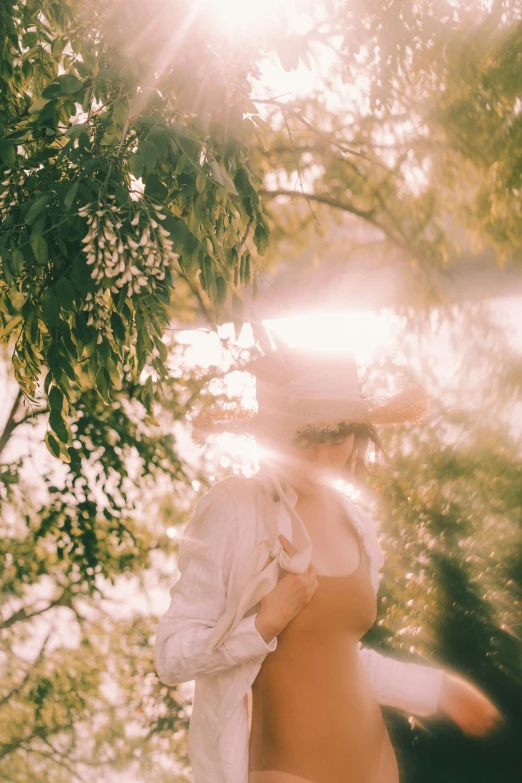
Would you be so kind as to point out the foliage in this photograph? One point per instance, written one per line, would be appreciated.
(406, 144)
(75, 546)
(124, 169)
(450, 507)
(134, 159)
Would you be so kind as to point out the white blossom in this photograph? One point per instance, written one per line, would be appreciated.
(138, 258)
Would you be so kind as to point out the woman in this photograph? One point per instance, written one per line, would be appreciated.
(279, 576)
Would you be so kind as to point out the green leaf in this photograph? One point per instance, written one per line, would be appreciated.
(76, 130)
(142, 347)
(118, 327)
(31, 326)
(161, 139)
(81, 276)
(71, 195)
(148, 153)
(83, 334)
(57, 45)
(104, 349)
(103, 384)
(50, 310)
(83, 68)
(155, 188)
(87, 98)
(71, 84)
(261, 240)
(58, 424)
(56, 399)
(65, 293)
(52, 444)
(120, 114)
(227, 181)
(38, 226)
(221, 294)
(7, 152)
(201, 182)
(17, 262)
(51, 91)
(246, 267)
(65, 367)
(38, 105)
(180, 164)
(216, 171)
(7, 272)
(36, 208)
(10, 326)
(135, 162)
(40, 250)
(114, 374)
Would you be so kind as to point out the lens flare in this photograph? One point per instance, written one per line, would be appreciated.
(245, 17)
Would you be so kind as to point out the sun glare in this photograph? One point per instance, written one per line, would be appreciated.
(360, 334)
(245, 17)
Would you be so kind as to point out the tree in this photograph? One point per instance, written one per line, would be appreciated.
(406, 145)
(94, 106)
(449, 506)
(124, 169)
(84, 548)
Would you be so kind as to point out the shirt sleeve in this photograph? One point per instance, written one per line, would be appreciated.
(413, 687)
(198, 598)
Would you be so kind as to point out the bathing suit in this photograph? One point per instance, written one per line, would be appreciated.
(315, 718)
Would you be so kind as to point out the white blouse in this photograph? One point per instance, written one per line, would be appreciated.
(208, 633)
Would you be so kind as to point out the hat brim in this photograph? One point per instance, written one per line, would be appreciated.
(410, 405)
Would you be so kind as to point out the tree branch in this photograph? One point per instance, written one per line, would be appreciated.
(21, 615)
(401, 241)
(328, 138)
(20, 685)
(61, 761)
(322, 199)
(11, 424)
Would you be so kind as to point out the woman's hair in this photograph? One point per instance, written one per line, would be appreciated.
(366, 442)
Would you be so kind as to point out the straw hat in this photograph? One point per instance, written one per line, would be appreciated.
(297, 390)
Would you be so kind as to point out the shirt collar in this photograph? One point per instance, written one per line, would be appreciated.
(266, 474)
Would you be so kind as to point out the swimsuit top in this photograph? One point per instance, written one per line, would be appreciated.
(314, 713)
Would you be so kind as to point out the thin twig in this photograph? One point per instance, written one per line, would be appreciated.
(342, 147)
(299, 171)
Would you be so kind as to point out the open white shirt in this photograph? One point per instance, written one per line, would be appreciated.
(206, 635)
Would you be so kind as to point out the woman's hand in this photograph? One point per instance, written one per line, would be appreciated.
(468, 706)
(291, 593)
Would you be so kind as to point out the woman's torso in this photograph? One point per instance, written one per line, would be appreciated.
(313, 711)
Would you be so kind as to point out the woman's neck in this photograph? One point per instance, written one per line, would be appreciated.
(306, 486)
